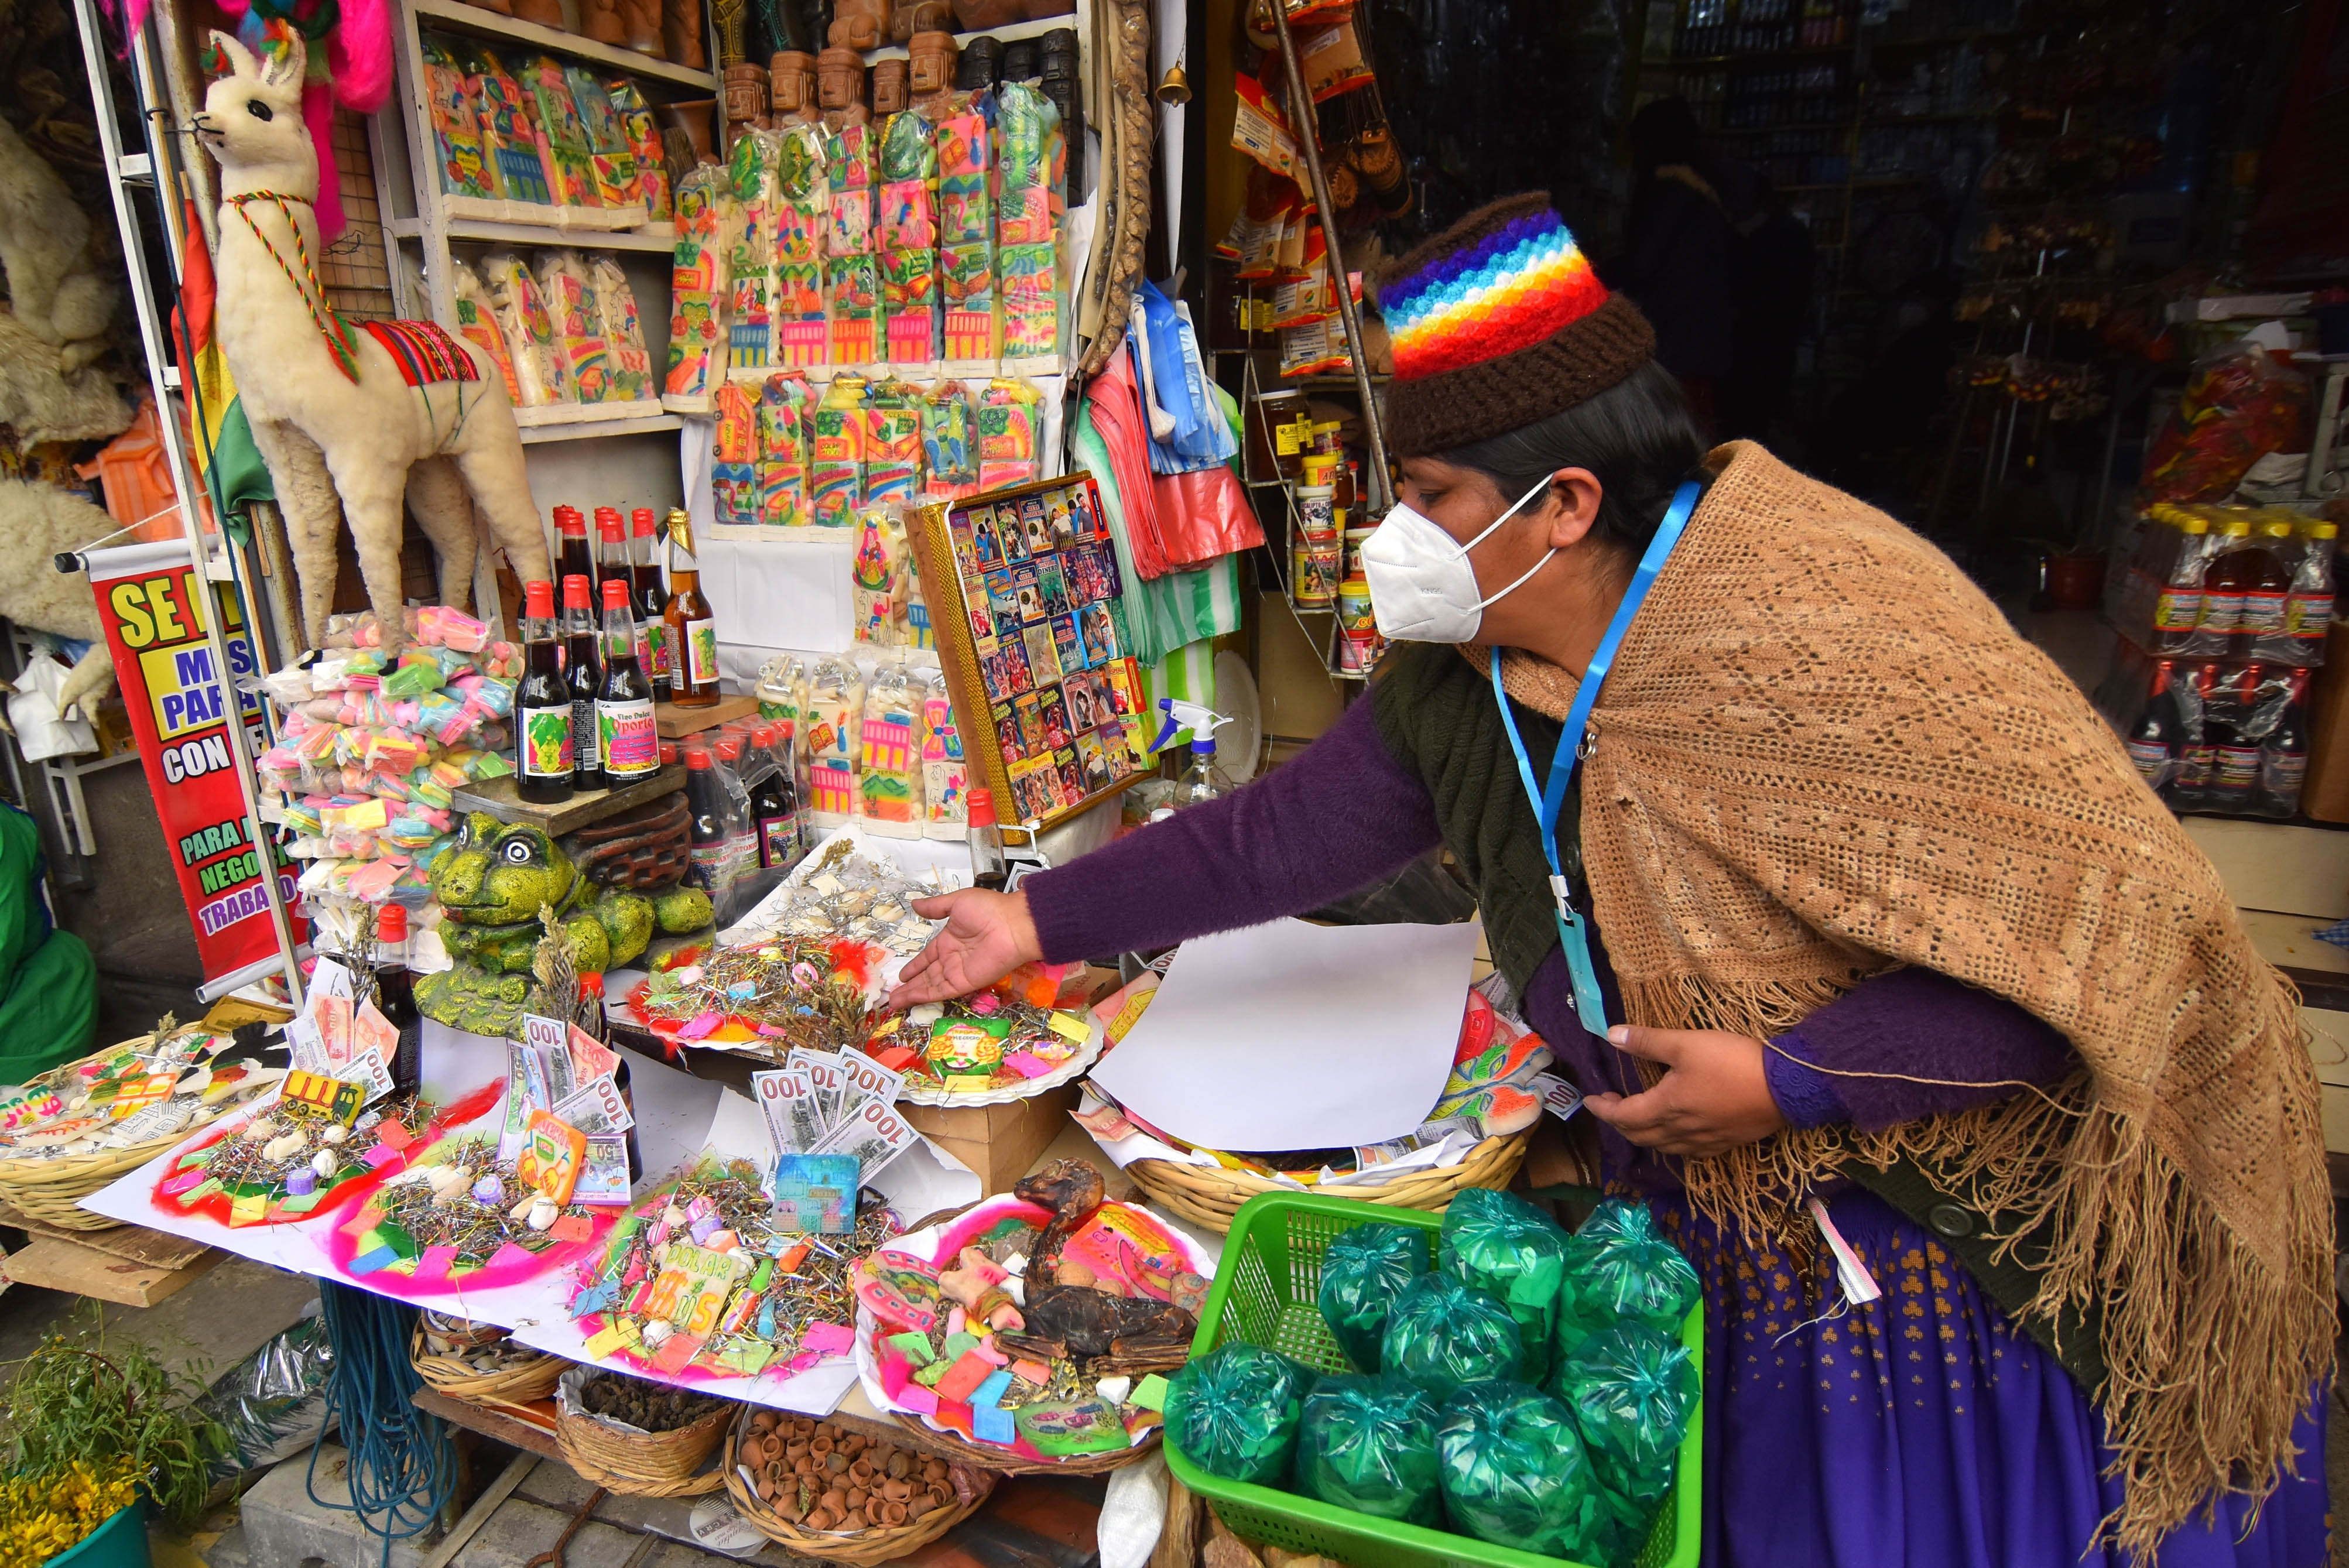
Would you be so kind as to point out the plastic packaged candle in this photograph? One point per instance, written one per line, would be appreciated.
(783, 452)
(889, 773)
(830, 717)
(945, 777)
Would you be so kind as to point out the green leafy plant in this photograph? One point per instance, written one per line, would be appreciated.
(85, 1400)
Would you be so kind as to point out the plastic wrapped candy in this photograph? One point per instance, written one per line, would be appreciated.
(1499, 1242)
(1442, 1334)
(1515, 1473)
(1369, 1444)
(1611, 1281)
(1632, 1390)
(1364, 1271)
(1234, 1412)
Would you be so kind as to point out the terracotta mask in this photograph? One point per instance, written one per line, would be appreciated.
(840, 80)
(889, 86)
(932, 63)
(791, 75)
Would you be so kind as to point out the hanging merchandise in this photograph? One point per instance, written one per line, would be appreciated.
(781, 470)
(967, 272)
(852, 266)
(1204, 514)
(828, 724)
(1180, 608)
(1188, 430)
(907, 193)
(520, 307)
(734, 455)
(880, 576)
(1011, 433)
(950, 444)
(892, 442)
(1029, 184)
(752, 169)
(698, 286)
(946, 778)
(889, 766)
(628, 365)
(837, 433)
(478, 322)
(1113, 400)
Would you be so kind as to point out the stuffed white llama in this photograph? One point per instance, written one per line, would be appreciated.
(37, 523)
(348, 416)
(54, 284)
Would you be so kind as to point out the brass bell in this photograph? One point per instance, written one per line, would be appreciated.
(1175, 87)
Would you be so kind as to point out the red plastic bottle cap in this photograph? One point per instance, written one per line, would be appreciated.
(569, 520)
(608, 522)
(538, 600)
(697, 758)
(764, 736)
(979, 807)
(730, 750)
(616, 593)
(640, 522)
(575, 593)
(668, 754)
(591, 983)
(392, 923)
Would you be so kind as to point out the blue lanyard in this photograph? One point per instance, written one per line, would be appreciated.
(1573, 930)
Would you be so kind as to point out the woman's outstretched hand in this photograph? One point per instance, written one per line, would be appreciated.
(987, 935)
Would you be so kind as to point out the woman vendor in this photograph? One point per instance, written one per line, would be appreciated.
(1897, 948)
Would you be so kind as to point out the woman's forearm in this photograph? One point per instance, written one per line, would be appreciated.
(1340, 815)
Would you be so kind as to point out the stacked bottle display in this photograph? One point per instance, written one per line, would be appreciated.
(2230, 582)
(2212, 735)
(743, 797)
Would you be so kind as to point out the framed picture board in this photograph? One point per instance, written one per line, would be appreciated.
(1027, 606)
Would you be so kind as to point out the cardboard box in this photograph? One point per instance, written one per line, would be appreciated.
(1000, 1142)
(2326, 794)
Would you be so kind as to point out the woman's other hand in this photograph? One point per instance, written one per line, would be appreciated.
(1714, 1097)
(987, 935)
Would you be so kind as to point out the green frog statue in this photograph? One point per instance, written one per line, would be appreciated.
(613, 887)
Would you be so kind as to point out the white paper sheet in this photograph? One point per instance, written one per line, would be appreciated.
(1290, 1035)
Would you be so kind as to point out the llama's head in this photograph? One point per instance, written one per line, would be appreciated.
(252, 114)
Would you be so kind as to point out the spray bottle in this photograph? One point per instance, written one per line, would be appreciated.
(1203, 781)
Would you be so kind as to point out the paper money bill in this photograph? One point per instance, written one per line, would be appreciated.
(525, 1093)
(604, 1173)
(828, 1073)
(788, 1100)
(550, 1037)
(867, 1080)
(875, 1134)
(595, 1108)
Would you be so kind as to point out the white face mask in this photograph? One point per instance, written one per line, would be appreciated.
(1423, 588)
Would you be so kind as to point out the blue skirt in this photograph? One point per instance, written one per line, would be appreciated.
(1922, 1430)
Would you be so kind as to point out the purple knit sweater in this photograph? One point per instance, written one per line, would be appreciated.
(1345, 814)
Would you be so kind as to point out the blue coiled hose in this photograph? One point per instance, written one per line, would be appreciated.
(402, 1470)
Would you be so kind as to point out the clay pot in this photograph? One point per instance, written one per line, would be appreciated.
(796, 1452)
(681, 34)
(911, 18)
(899, 1464)
(746, 94)
(932, 64)
(838, 79)
(791, 83)
(862, 1471)
(893, 1514)
(976, 15)
(694, 117)
(546, 13)
(859, 25)
(890, 92)
(857, 1497)
(503, 7)
(836, 1501)
(820, 1446)
(896, 1490)
(600, 20)
(821, 1519)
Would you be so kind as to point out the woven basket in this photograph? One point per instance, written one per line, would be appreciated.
(1210, 1195)
(859, 1547)
(531, 1376)
(642, 1464)
(1007, 1463)
(51, 1191)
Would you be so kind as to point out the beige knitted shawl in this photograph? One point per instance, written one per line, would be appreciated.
(1823, 753)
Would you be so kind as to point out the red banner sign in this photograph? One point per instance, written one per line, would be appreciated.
(151, 606)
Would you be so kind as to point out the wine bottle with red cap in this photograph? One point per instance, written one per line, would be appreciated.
(395, 998)
(546, 743)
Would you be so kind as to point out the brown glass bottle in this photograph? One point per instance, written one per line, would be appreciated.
(582, 674)
(625, 736)
(572, 557)
(544, 743)
(652, 599)
(692, 626)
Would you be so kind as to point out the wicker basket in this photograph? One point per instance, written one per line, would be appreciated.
(530, 1375)
(859, 1547)
(641, 1464)
(1007, 1463)
(51, 1191)
(1210, 1195)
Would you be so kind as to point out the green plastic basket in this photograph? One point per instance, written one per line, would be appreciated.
(1266, 1292)
(120, 1542)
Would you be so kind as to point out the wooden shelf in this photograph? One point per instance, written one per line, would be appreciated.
(574, 421)
(473, 19)
(482, 230)
(1010, 32)
(497, 797)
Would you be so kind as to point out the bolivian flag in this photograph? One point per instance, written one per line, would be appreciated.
(225, 456)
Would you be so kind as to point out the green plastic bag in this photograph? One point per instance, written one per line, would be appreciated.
(1515, 1473)
(1369, 1444)
(1234, 1411)
(1618, 1278)
(1618, 1219)
(1362, 1272)
(1443, 1334)
(1499, 1242)
(1632, 1391)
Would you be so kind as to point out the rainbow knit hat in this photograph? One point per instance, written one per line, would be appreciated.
(1497, 322)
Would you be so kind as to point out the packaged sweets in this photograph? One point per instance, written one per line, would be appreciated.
(877, 586)
(751, 176)
(520, 312)
(801, 208)
(466, 166)
(1442, 1335)
(889, 775)
(1499, 1242)
(698, 286)
(1612, 1280)
(1514, 1472)
(966, 233)
(908, 237)
(949, 451)
(1369, 1444)
(1363, 1272)
(1032, 164)
(828, 720)
(610, 157)
(477, 324)
(1234, 1412)
(852, 267)
(1010, 432)
(627, 366)
(734, 455)
(643, 135)
(946, 776)
(782, 460)
(570, 166)
(509, 137)
(577, 323)
(892, 442)
(1633, 1391)
(837, 438)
